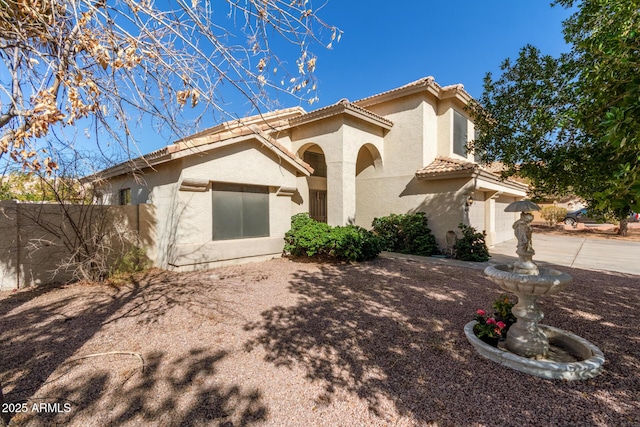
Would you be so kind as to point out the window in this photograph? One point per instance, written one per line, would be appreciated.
(476, 154)
(317, 162)
(240, 211)
(459, 134)
(125, 196)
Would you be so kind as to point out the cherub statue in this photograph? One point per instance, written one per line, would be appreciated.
(522, 230)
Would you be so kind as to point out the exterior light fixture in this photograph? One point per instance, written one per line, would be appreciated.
(469, 200)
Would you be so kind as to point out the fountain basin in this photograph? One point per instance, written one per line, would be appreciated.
(572, 357)
(547, 282)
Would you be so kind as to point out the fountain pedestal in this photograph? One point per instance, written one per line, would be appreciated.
(529, 344)
(525, 337)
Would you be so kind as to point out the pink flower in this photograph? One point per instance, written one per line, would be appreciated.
(481, 312)
(491, 321)
(497, 331)
(501, 325)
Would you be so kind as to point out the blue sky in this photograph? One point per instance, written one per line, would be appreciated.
(386, 44)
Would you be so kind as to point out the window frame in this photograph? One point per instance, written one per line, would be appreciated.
(239, 194)
(458, 120)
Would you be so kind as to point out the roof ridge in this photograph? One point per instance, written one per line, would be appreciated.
(423, 81)
(336, 108)
(263, 118)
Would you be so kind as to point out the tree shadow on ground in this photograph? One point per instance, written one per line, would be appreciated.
(175, 392)
(391, 332)
(39, 336)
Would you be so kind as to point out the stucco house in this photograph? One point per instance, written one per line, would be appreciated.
(227, 194)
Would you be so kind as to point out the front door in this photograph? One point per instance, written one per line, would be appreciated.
(318, 205)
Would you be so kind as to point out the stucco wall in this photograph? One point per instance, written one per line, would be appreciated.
(413, 123)
(340, 138)
(34, 250)
(185, 225)
(442, 201)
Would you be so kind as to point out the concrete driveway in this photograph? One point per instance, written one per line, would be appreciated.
(577, 252)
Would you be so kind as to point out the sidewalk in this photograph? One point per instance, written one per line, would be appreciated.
(576, 252)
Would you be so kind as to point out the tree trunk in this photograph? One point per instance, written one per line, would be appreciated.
(623, 230)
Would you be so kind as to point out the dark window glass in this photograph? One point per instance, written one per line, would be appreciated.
(125, 196)
(317, 162)
(459, 134)
(476, 154)
(240, 211)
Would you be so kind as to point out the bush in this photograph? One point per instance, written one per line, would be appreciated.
(387, 229)
(471, 246)
(553, 214)
(308, 237)
(353, 243)
(406, 233)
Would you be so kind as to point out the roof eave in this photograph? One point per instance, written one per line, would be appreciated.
(342, 107)
(492, 177)
(473, 173)
(137, 164)
(428, 85)
(435, 176)
(298, 164)
(272, 120)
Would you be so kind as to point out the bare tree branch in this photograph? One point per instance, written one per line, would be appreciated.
(122, 61)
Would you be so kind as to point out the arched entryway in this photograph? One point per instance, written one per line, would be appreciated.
(368, 167)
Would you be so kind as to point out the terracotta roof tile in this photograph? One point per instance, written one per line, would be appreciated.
(344, 105)
(425, 81)
(446, 165)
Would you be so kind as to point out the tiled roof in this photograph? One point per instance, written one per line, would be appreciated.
(443, 165)
(423, 82)
(342, 106)
(446, 167)
(265, 122)
(231, 132)
(420, 85)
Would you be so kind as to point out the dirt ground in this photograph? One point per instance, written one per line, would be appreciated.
(283, 343)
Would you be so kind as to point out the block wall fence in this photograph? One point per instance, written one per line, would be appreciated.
(30, 251)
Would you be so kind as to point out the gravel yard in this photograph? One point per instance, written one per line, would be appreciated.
(284, 343)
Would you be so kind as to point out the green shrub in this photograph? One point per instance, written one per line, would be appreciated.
(553, 214)
(353, 243)
(387, 229)
(406, 233)
(471, 246)
(308, 237)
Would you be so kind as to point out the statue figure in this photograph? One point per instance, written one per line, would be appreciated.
(522, 230)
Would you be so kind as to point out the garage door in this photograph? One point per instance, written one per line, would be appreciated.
(476, 212)
(504, 220)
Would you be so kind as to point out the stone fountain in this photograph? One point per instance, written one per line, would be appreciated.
(530, 347)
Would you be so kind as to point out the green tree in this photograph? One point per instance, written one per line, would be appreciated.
(571, 124)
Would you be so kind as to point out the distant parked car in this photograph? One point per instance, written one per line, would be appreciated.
(578, 216)
(634, 217)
